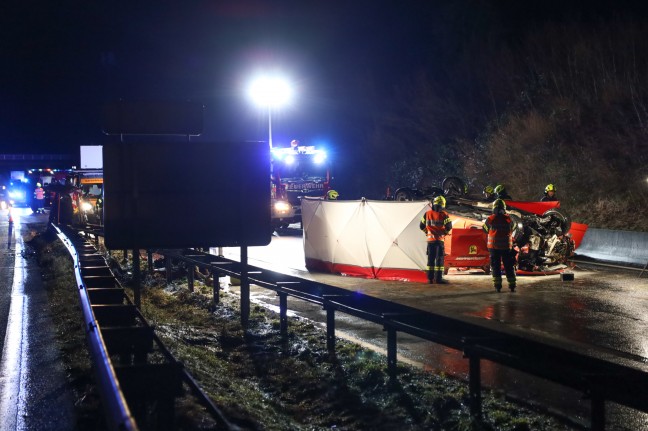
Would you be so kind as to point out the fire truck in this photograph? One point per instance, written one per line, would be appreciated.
(90, 195)
(296, 172)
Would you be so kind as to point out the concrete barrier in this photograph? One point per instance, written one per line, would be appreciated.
(615, 246)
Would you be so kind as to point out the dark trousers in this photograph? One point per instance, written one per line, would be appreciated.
(435, 254)
(497, 257)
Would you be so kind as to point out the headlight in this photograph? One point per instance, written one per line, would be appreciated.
(319, 158)
(86, 206)
(282, 206)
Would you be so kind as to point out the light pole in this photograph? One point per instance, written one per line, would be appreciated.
(271, 92)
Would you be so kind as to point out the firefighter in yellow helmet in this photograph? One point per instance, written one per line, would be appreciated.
(332, 195)
(436, 224)
(489, 193)
(549, 194)
(501, 193)
(499, 228)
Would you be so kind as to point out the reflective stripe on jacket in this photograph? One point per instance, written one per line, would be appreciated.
(435, 224)
(499, 228)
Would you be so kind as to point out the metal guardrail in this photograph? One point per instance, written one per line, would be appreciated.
(115, 329)
(599, 374)
(118, 414)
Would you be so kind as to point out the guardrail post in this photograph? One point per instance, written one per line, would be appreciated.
(283, 313)
(474, 384)
(216, 285)
(167, 267)
(391, 351)
(245, 288)
(330, 330)
(136, 279)
(149, 261)
(190, 276)
(598, 412)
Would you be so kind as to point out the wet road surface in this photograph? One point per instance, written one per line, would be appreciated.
(604, 308)
(33, 391)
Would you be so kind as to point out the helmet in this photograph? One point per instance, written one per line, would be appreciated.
(550, 188)
(332, 195)
(488, 190)
(439, 200)
(499, 189)
(39, 184)
(499, 204)
(294, 143)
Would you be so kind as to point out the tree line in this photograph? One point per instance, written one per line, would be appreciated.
(564, 103)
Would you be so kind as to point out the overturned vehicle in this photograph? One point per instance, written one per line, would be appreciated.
(543, 237)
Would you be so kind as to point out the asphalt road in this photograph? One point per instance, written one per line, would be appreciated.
(602, 308)
(33, 391)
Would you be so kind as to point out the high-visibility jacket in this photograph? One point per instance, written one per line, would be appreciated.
(499, 228)
(435, 224)
(39, 193)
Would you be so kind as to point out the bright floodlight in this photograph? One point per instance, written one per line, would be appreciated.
(270, 91)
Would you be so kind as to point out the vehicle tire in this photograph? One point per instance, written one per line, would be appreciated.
(453, 186)
(559, 219)
(404, 194)
(519, 236)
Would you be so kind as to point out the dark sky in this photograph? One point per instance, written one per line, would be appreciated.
(61, 61)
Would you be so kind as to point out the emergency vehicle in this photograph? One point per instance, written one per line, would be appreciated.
(90, 194)
(296, 172)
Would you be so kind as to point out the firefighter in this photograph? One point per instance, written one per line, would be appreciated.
(436, 224)
(332, 195)
(10, 221)
(499, 228)
(489, 193)
(501, 193)
(39, 196)
(549, 193)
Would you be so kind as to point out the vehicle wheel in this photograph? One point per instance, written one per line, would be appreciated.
(558, 219)
(403, 195)
(453, 186)
(519, 236)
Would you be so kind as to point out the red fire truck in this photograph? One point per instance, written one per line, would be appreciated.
(296, 173)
